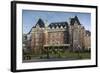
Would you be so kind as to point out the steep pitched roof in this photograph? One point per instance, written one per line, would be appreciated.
(40, 23)
(58, 24)
(72, 21)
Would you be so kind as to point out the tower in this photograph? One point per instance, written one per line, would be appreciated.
(75, 33)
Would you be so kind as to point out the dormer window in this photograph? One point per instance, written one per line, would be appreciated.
(74, 20)
(37, 26)
(61, 27)
(57, 27)
(40, 23)
(52, 27)
(75, 23)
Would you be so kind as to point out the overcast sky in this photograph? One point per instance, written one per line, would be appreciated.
(30, 18)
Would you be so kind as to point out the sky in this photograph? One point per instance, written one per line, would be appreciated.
(30, 18)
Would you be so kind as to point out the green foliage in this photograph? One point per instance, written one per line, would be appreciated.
(62, 54)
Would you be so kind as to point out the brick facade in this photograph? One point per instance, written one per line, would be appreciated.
(60, 33)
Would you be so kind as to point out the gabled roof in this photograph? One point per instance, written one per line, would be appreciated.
(72, 21)
(58, 24)
(40, 23)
